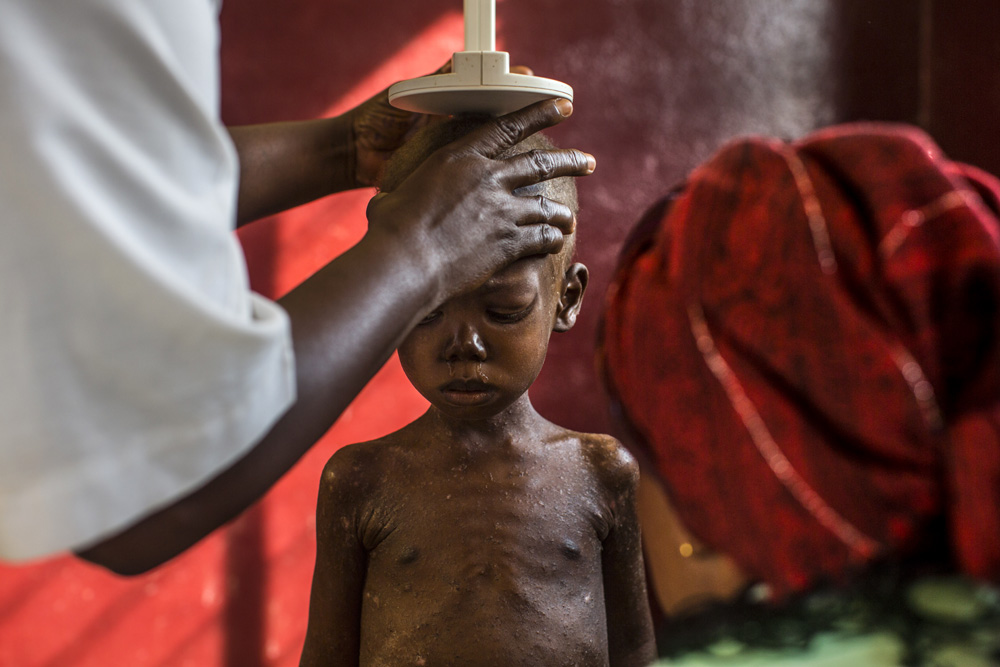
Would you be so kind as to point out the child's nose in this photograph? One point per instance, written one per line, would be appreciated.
(465, 344)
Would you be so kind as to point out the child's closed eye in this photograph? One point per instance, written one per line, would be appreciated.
(430, 317)
(509, 316)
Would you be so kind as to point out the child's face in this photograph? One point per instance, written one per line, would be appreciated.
(477, 353)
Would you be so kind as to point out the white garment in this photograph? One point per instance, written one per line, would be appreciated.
(134, 361)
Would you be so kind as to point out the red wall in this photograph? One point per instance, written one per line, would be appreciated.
(659, 85)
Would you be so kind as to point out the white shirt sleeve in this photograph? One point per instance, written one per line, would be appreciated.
(135, 362)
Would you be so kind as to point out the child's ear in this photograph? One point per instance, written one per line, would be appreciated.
(571, 298)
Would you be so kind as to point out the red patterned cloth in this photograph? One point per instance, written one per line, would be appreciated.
(806, 342)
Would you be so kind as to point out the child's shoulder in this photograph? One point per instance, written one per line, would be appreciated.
(363, 463)
(612, 462)
(607, 458)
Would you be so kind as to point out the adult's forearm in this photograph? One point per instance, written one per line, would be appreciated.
(287, 164)
(346, 321)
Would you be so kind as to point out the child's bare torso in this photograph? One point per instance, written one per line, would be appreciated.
(488, 557)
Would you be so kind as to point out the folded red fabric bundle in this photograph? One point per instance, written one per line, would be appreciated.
(806, 342)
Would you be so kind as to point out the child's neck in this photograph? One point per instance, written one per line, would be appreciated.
(499, 430)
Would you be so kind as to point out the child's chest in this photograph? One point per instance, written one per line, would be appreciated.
(504, 524)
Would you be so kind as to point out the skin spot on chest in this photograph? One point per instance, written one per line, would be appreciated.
(571, 550)
(408, 556)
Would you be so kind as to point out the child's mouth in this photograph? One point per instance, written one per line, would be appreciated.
(467, 392)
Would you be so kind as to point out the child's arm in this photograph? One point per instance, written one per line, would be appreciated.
(333, 635)
(630, 628)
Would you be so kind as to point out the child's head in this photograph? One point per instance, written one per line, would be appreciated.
(478, 352)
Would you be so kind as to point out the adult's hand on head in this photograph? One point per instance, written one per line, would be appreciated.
(458, 213)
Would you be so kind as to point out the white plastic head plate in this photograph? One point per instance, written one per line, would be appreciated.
(444, 94)
(480, 80)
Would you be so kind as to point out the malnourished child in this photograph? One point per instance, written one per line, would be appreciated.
(481, 533)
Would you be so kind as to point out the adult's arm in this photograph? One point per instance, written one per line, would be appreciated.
(449, 226)
(286, 164)
(290, 163)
